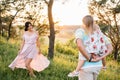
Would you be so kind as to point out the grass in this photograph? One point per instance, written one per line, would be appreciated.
(65, 60)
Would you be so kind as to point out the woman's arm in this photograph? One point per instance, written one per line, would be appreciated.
(81, 48)
(109, 50)
(38, 43)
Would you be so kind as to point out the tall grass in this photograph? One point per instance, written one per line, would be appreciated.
(64, 61)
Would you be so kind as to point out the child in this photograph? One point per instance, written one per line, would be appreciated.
(95, 46)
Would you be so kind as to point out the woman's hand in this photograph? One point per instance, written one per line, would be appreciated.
(19, 51)
(39, 52)
(96, 59)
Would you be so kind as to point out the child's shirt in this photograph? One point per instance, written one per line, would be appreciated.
(96, 43)
(92, 43)
(80, 34)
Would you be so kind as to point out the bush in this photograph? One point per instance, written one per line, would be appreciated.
(66, 49)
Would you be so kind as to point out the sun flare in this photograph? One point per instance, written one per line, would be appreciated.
(70, 13)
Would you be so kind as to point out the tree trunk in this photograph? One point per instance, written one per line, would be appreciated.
(52, 31)
(115, 52)
(10, 25)
(9, 29)
(1, 27)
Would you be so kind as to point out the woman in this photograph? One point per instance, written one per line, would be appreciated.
(88, 70)
(29, 55)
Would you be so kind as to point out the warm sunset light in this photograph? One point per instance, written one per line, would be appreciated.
(71, 12)
(59, 39)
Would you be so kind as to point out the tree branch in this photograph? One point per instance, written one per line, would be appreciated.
(46, 2)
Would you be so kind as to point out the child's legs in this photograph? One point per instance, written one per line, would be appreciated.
(103, 62)
(80, 64)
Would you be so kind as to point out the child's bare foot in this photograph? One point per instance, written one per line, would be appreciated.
(104, 67)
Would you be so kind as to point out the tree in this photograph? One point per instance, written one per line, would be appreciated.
(51, 24)
(36, 16)
(52, 30)
(13, 12)
(108, 12)
(6, 17)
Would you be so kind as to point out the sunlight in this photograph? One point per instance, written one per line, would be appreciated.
(71, 12)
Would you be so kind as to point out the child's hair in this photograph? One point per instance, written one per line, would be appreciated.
(27, 25)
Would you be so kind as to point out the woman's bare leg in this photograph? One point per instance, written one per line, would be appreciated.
(28, 61)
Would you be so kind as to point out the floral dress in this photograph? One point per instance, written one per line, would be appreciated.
(96, 43)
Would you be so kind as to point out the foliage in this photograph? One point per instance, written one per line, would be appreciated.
(7, 7)
(14, 13)
(37, 16)
(69, 48)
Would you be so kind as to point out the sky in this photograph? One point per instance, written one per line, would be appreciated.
(70, 13)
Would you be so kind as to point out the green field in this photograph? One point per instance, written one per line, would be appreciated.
(65, 60)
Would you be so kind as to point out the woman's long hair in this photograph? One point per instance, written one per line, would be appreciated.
(88, 21)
